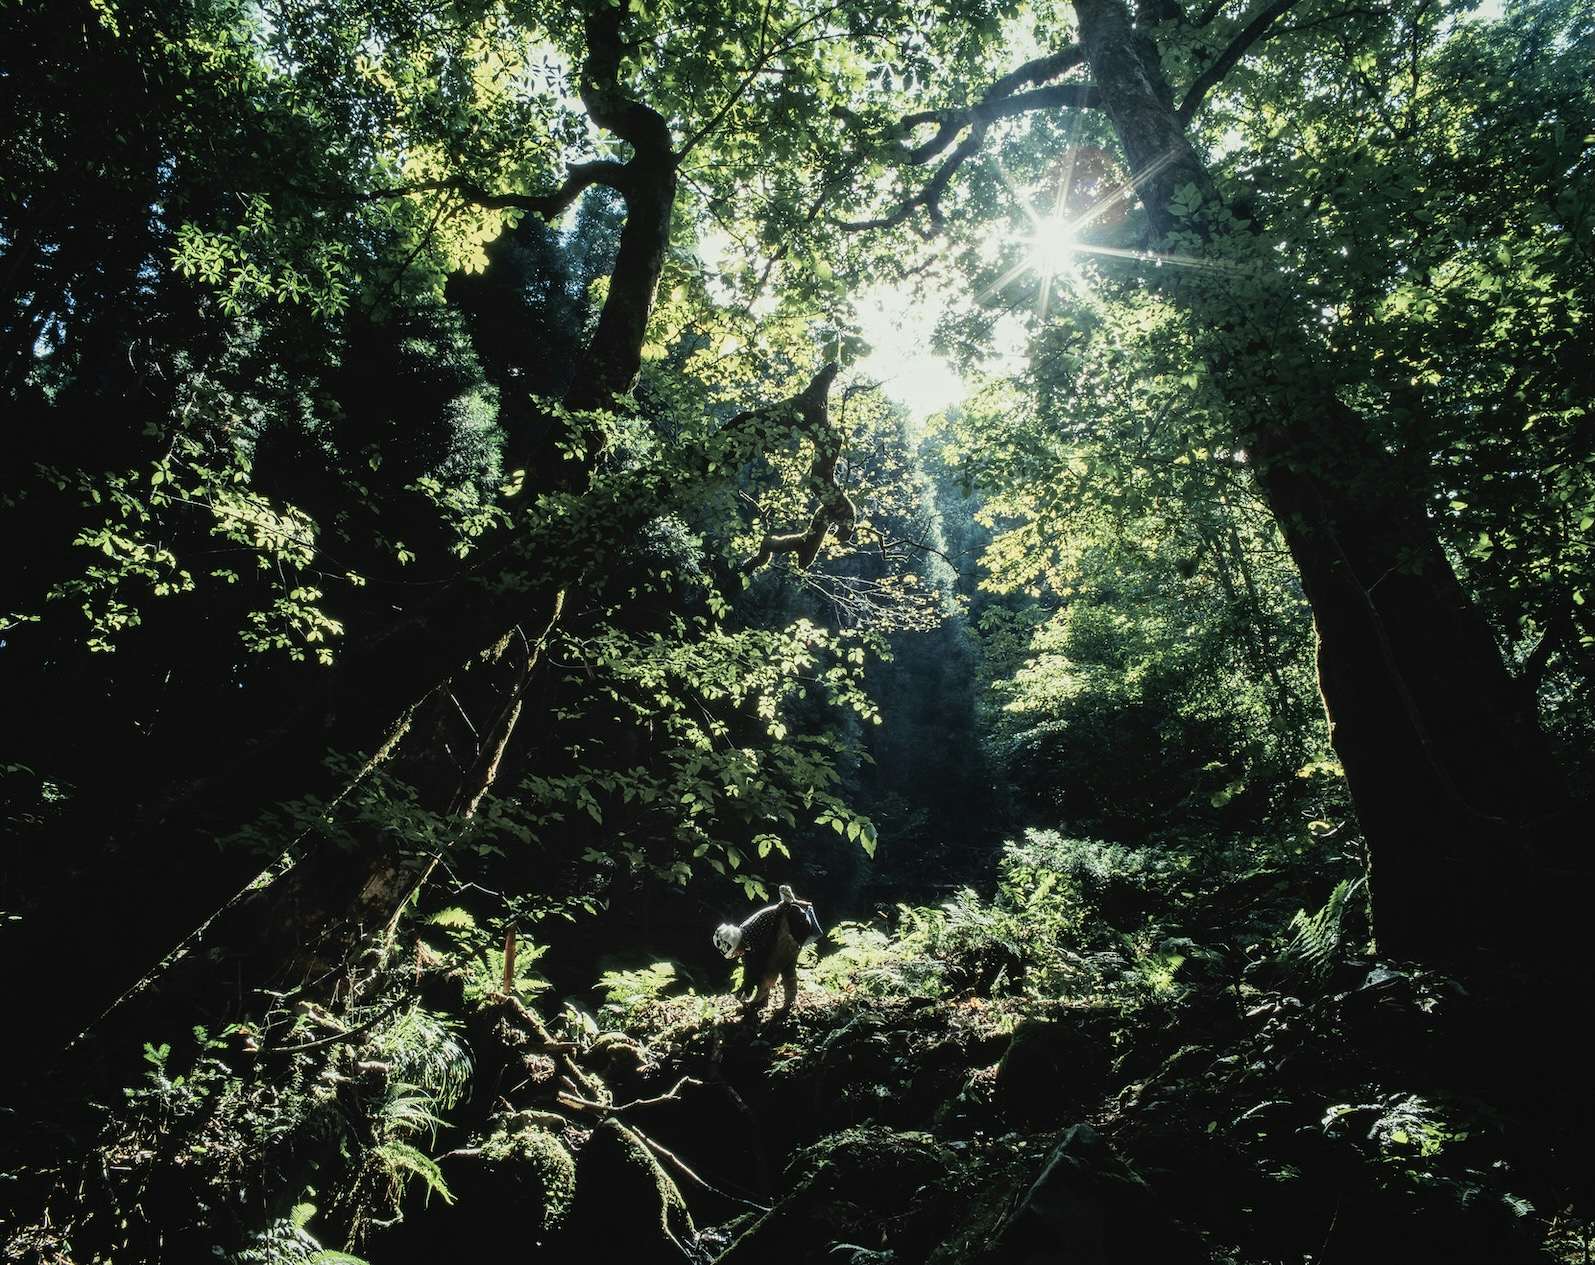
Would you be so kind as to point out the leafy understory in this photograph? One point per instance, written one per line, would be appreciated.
(1097, 497)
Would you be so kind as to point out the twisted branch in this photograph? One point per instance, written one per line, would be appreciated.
(578, 180)
(1254, 31)
(808, 411)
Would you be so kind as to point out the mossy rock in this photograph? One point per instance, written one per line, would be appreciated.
(540, 1171)
(619, 1059)
(861, 1072)
(871, 1186)
(627, 1208)
(512, 1192)
(894, 1162)
(1049, 1066)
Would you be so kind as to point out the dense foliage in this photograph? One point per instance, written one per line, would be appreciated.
(461, 551)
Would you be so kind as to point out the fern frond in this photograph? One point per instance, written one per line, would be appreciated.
(1315, 938)
(281, 1242)
(426, 1054)
(408, 1109)
(404, 1162)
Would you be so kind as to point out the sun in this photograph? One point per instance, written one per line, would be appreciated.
(1052, 249)
(1051, 254)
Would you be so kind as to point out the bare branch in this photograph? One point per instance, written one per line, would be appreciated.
(347, 1034)
(582, 1086)
(888, 546)
(578, 180)
(676, 1162)
(1253, 32)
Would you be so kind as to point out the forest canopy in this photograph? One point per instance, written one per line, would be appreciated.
(479, 505)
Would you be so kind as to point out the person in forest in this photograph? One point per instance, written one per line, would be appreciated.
(768, 943)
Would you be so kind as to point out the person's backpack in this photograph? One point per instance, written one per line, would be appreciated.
(813, 924)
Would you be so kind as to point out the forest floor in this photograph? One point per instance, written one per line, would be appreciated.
(1231, 1125)
(988, 1081)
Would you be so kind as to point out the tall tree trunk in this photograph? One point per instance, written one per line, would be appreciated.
(1446, 765)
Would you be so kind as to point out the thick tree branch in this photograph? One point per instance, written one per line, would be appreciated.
(1037, 70)
(606, 102)
(1253, 32)
(649, 186)
(1001, 100)
(1150, 13)
(1082, 96)
(929, 195)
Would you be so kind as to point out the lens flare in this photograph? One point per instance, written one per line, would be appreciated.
(1052, 248)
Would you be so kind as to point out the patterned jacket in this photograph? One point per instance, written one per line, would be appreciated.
(765, 930)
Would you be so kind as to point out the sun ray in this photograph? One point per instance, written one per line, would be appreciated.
(1054, 244)
(1158, 257)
